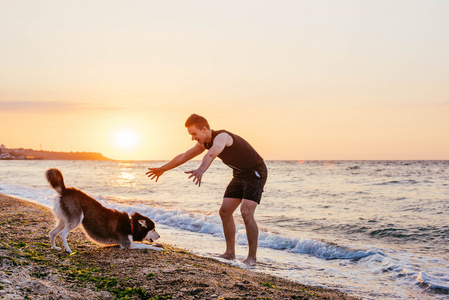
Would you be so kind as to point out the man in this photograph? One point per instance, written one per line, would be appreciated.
(246, 187)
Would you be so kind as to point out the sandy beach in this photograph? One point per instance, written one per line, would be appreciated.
(31, 270)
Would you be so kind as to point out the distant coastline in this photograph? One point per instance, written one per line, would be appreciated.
(30, 154)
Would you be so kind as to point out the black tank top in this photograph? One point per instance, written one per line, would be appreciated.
(240, 156)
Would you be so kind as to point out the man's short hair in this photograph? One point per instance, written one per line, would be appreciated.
(198, 121)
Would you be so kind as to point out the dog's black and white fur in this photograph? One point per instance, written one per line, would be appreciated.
(103, 225)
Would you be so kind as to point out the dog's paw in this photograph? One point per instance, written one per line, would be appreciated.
(55, 248)
(156, 248)
(144, 246)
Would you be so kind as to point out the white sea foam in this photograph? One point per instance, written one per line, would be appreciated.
(212, 225)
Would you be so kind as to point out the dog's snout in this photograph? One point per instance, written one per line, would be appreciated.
(152, 235)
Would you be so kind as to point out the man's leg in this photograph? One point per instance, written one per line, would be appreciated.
(227, 208)
(252, 231)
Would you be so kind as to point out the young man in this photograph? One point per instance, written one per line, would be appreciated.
(246, 187)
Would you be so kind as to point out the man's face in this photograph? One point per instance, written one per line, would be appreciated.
(198, 135)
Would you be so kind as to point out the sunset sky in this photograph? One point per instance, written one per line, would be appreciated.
(299, 80)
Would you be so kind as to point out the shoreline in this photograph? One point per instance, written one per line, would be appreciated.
(31, 270)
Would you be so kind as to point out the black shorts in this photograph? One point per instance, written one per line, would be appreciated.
(248, 185)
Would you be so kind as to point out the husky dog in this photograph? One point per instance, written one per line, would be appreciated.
(103, 225)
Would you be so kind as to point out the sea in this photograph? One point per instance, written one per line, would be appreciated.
(373, 229)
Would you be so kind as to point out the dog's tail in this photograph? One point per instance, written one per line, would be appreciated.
(54, 177)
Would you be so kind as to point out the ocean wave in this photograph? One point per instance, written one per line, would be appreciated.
(312, 247)
(424, 234)
(44, 197)
(395, 182)
(212, 225)
(424, 281)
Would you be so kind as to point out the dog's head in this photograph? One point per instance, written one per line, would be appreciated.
(143, 228)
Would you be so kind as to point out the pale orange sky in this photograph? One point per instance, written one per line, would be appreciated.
(298, 79)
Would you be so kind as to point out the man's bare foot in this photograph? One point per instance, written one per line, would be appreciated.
(249, 261)
(227, 256)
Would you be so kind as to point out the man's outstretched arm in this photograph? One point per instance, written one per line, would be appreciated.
(175, 162)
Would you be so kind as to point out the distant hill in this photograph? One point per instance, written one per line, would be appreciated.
(21, 153)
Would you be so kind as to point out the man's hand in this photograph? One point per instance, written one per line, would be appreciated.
(154, 173)
(197, 175)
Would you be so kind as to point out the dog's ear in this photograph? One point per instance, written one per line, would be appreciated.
(139, 227)
(136, 215)
(143, 223)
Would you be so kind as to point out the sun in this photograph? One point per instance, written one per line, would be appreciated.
(126, 138)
